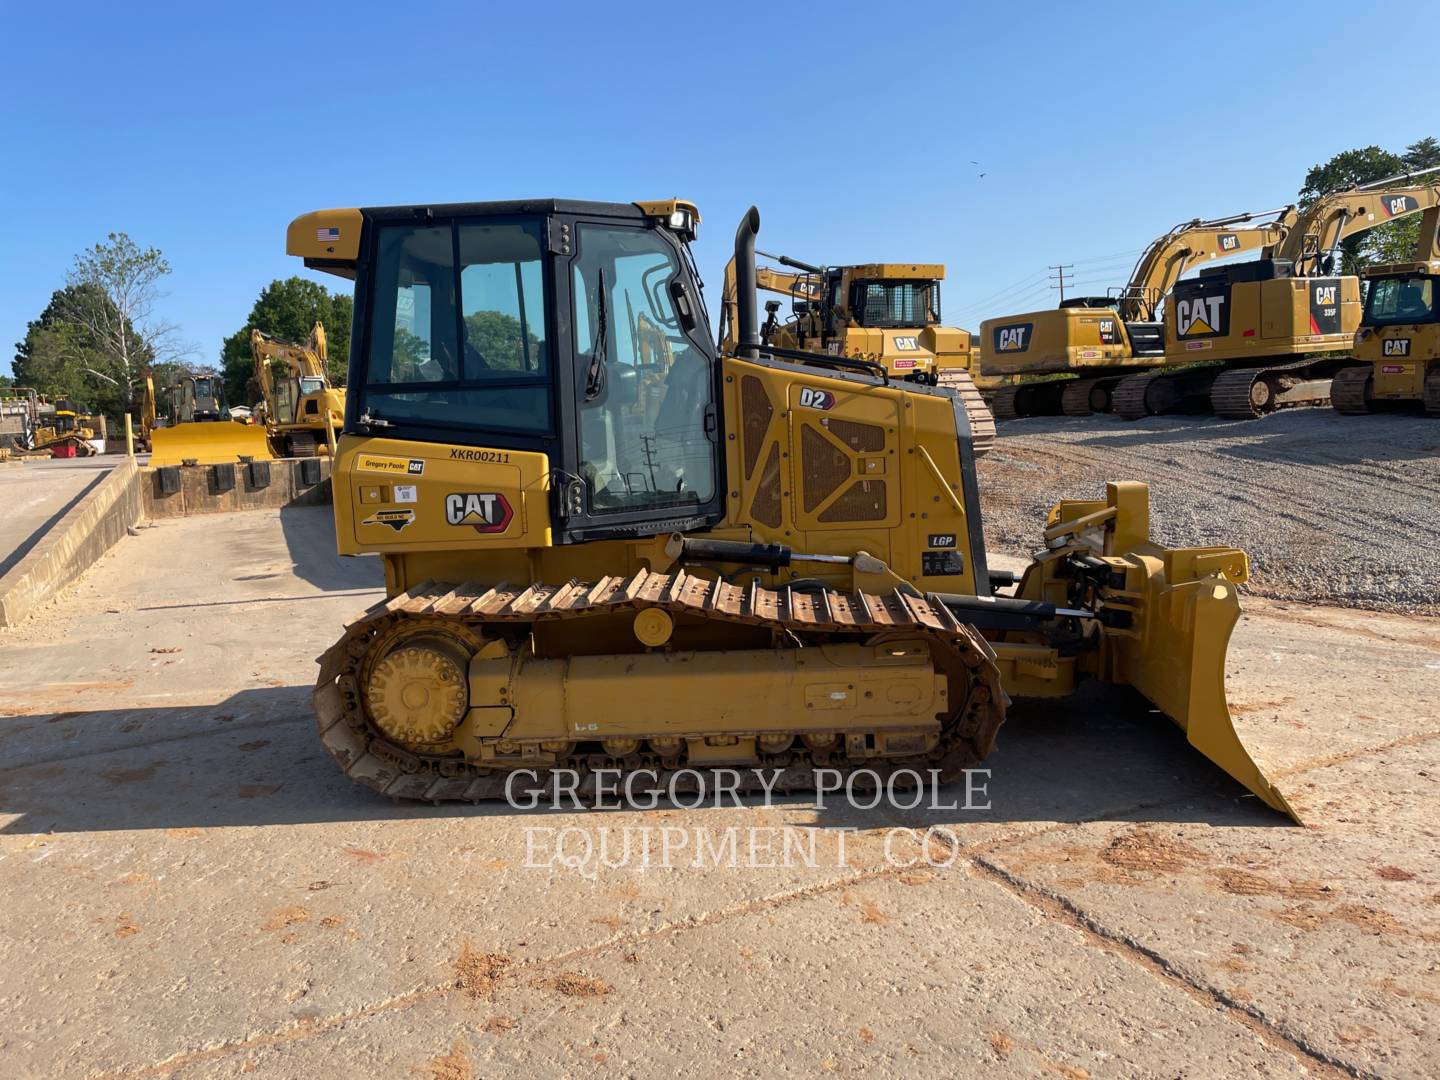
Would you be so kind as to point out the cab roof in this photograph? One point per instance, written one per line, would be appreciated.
(330, 239)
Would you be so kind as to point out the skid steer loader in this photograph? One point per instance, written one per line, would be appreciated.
(772, 563)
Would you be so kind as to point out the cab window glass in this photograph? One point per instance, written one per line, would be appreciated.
(460, 345)
(1401, 300)
(645, 385)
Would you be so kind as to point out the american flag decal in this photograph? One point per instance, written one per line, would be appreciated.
(327, 235)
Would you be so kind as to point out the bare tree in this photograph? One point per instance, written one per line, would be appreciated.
(115, 287)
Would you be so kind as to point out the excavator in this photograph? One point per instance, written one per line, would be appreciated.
(884, 313)
(1396, 356)
(1244, 340)
(777, 566)
(198, 429)
(1102, 339)
(302, 411)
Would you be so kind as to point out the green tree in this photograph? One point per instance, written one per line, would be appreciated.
(287, 309)
(61, 357)
(1393, 241)
(113, 289)
(496, 337)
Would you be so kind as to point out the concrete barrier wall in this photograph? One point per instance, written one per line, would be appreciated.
(90, 529)
(212, 489)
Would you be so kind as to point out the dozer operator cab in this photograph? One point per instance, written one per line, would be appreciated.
(1392, 301)
(570, 329)
(198, 398)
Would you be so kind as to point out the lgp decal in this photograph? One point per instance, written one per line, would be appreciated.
(1228, 241)
(1204, 316)
(1397, 347)
(1395, 205)
(484, 511)
(1013, 338)
(396, 519)
(391, 465)
(906, 344)
(816, 399)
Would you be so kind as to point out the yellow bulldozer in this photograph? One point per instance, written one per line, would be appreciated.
(197, 428)
(1101, 339)
(301, 410)
(772, 561)
(1244, 340)
(886, 315)
(1398, 343)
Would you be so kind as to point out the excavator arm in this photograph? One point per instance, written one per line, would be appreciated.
(1336, 217)
(1189, 245)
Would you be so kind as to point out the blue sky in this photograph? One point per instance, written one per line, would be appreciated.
(203, 129)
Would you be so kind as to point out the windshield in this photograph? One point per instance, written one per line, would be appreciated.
(646, 381)
(457, 327)
(895, 303)
(1400, 300)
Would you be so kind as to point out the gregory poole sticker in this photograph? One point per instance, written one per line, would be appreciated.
(395, 466)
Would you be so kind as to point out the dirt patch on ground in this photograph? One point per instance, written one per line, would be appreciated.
(1144, 851)
(1249, 883)
(479, 974)
(283, 917)
(452, 1066)
(1361, 916)
(573, 984)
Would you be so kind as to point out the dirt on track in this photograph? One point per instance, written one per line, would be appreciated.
(1331, 509)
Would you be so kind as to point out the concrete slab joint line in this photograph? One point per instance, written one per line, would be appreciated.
(90, 529)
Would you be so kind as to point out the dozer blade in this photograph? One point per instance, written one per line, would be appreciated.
(1183, 606)
(213, 443)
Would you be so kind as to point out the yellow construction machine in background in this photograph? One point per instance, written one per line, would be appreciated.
(768, 559)
(1244, 340)
(886, 315)
(1398, 344)
(302, 412)
(1103, 339)
(197, 429)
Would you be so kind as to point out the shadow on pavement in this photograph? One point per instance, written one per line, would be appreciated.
(310, 540)
(254, 759)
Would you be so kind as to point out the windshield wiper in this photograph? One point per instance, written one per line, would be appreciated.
(595, 377)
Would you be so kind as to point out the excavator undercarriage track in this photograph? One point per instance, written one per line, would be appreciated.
(974, 701)
(1250, 393)
(982, 422)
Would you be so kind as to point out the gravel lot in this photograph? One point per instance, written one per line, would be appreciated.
(1331, 509)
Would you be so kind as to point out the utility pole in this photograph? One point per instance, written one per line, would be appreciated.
(1058, 281)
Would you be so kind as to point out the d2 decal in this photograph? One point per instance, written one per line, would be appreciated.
(811, 398)
(483, 511)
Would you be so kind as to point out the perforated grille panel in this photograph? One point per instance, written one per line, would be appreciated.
(863, 501)
(756, 411)
(824, 467)
(765, 506)
(863, 438)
